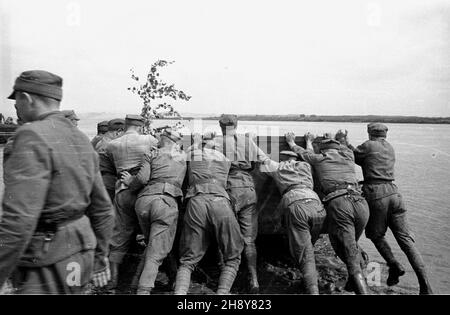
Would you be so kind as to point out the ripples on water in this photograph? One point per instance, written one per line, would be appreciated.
(423, 177)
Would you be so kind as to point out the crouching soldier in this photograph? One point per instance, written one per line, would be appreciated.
(208, 214)
(304, 214)
(347, 210)
(387, 209)
(57, 217)
(162, 173)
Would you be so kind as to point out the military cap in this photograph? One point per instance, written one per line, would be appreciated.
(102, 126)
(171, 134)
(377, 129)
(288, 153)
(70, 114)
(134, 120)
(116, 124)
(326, 144)
(228, 120)
(39, 82)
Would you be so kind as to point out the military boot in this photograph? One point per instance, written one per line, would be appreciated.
(359, 284)
(417, 263)
(396, 270)
(113, 283)
(251, 259)
(312, 289)
(421, 273)
(226, 280)
(182, 281)
(425, 286)
(171, 270)
(144, 290)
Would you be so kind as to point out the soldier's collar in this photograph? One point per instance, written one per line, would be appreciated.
(43, 116)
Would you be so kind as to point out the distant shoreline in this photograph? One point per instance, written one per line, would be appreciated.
(344, 118)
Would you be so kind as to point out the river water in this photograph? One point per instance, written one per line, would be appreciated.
(422, 175)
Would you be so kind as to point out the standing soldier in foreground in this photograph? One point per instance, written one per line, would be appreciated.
(162, 173)
(243, 153)
(102, 128)
(127, 153)
(387, 209)
(304, 214)
(347, 211)
(57, 217)
(208, 215)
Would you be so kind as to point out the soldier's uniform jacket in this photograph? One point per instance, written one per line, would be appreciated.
(162, 172)
(103, 142)
(127, 151)
(55, 204)
(96, 140)
(242, 151)
(335, 168)
(293, 179)
(207, 172)
(107, 168)
(7, 150)
(377, 159)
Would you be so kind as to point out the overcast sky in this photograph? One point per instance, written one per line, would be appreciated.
(248, 57)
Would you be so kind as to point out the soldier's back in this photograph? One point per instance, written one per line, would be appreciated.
(73, 161)
(128, 150)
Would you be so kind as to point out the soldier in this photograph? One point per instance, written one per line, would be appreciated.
(57, 217)
(243, 153)
(127, 153)
(70, 114)
(208, 214)
(387, 209)
(304, 214)
(116, 129)
(102, 128)
(162, 173)
(108, 170)
(347, 210)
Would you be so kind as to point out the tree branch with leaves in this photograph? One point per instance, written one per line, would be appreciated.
(154, 94)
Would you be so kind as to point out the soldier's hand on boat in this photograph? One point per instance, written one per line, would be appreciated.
(290, 138)
(309, 137)
(126, 178)
(342, 137)
(101, 278)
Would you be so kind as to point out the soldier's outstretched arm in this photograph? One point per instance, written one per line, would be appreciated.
(141, 178)
(27, 177)
(101, 215)
(307, 154)
(268, 166)
(360, 152)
